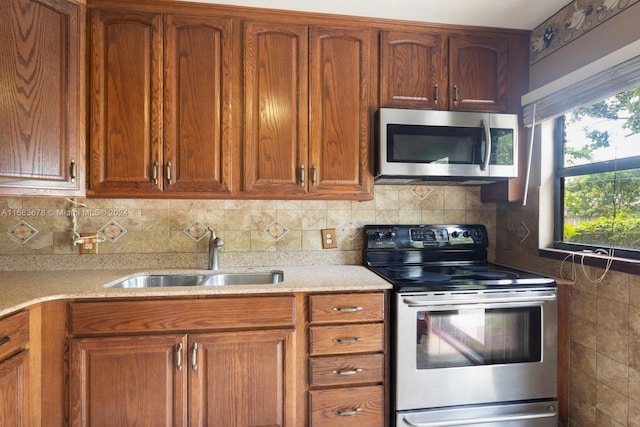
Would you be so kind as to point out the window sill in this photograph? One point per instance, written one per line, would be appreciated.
(624, 265)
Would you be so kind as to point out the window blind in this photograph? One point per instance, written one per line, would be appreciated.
(608, 76)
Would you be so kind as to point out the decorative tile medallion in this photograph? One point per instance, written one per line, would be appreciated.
(196, 230)
(22, 232)
(276, 230)
(522, 232)
(351, 229)
(112, 231)
(421, 191)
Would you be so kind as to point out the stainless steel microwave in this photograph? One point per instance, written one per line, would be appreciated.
(446, 147)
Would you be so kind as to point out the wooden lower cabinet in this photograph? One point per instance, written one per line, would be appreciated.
(224, 375)
(347, 364)
(14, 370)
(14, 390)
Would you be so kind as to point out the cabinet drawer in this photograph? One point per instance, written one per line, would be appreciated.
(346, 339)
(14, 334)
(342, 308)
(175, 315)
(355, 406)
(342, 370)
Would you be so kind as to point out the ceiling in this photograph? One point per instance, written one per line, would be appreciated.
(518, 14)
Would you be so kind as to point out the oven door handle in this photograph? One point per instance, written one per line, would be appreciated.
(548, 413)
(476, 302)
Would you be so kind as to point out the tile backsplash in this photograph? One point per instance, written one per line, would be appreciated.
(37, 233)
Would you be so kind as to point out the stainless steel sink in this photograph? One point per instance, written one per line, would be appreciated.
(214, 279)
(262, 278)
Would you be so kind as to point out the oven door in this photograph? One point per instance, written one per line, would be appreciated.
(475, 347)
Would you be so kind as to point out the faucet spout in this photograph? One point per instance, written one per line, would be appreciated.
(215, 244)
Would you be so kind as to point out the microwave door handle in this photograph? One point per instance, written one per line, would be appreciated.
(487, 145)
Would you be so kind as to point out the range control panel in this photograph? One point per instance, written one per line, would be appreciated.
(425, 236)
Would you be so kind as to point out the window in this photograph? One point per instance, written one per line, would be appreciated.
(597, 177)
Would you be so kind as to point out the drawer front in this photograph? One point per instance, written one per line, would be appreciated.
(345, 339)
(343, 370)
(343, 308)
(118, 317)
(14, 334)
(355, 406)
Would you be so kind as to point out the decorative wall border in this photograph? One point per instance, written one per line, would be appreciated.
(572, 22)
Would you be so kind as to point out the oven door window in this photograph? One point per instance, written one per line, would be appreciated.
(472, 337)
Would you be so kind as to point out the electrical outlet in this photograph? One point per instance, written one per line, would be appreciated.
(89, 246)
(329, 238)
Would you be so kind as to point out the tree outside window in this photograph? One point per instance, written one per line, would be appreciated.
(598, 176)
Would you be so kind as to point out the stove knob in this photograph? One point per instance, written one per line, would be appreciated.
(477, 234)
(465, 234)
(377, 235)
(390, 235)
(454, 234)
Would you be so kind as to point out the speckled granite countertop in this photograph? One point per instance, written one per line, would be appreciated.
(21, 289)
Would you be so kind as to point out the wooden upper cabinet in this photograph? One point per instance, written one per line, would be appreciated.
(197, 104)
(342, 82)
(275, 83)
(125, 103)
(42, 123)
(413, 70)
(308, 102)
(478, 67)
(160, 105)
(445, 71)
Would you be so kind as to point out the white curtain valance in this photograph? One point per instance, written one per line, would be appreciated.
(608, 76)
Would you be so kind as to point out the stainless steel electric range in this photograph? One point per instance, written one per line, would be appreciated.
(474, 343)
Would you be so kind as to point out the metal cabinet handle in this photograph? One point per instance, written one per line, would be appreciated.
(302, 175)
(179, 356)
(194, 356)
(154, 172)
(455, 94)
(314, 175)
(347, 309)
(168, 172)
(350, 413)
(436, 94)
(347, 340)
(74, 170)
(347, 372)
(5, 339)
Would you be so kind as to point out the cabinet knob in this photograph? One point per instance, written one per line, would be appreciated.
(347, 309)
(455, 94)
(314, 175)
(347, 372)
(436, 94)
(5, 339)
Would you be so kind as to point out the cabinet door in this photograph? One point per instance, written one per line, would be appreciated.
(197, 104)
(14, 387)
(241, 378)
(275, 112)
(135, 380)
(341, 107)
(478, 72)
(125, 103)
(41, 102)
(413, 70)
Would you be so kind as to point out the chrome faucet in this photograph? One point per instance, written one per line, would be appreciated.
(215, 244)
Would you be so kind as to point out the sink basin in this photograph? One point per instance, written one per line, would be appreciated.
(214, 279)
(263, 278)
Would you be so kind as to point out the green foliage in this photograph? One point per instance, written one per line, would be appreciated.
(624, 232)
